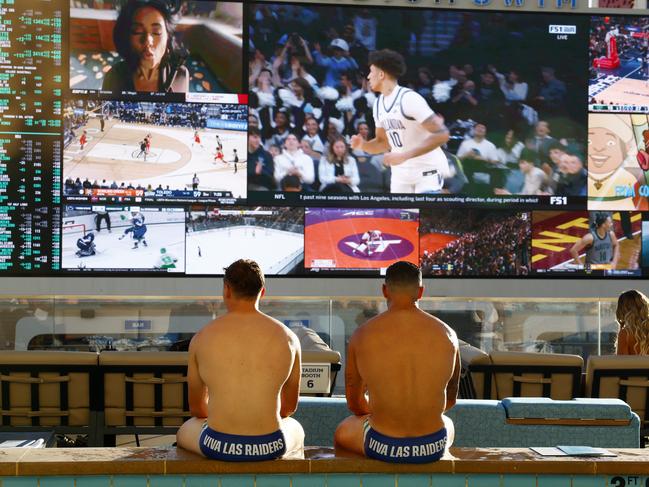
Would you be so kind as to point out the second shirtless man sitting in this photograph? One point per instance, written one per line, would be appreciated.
(244, 377)
(409, 364)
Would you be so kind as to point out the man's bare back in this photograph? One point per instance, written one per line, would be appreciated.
(243, 377)
(244, 359)
(406, 358)
(408, 363)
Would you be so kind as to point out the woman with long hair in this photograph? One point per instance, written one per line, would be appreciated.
(152, 61)
(633, 316)
(337, 170)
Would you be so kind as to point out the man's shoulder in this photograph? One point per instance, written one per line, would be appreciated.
(409, 96)
(387, 322)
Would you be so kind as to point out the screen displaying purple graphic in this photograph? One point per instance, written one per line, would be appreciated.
(319, 215)
(358, 239)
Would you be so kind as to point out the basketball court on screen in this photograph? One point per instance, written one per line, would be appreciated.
(554, 233)
(174, 159)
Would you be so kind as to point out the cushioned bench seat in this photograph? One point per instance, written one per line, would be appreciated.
(513, 422)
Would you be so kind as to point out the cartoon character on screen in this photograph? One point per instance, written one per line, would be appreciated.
(137, 230)
(166, 260)
(370, 240)
(611, 183)
(86, 245)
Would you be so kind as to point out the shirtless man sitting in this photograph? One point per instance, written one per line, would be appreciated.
(409, 364)
(244, 378)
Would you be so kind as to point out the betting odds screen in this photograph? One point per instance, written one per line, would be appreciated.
(176, 136)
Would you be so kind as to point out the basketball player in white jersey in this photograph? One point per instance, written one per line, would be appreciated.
(407, 129)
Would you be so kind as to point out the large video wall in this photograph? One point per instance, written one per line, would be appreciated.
(182, 135)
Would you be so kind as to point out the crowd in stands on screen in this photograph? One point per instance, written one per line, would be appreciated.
(307, 73)
(287, 219)
(489, 242)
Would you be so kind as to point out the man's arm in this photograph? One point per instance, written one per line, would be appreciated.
(378, 145)
(616, 251)
(197, 389)
(578, 247)
(454, 384)
(438, 135)
(291, 388)
(354, 386)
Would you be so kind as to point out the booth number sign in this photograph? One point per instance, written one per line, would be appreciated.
(315, 378)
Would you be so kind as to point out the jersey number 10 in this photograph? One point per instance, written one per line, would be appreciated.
(396, 139)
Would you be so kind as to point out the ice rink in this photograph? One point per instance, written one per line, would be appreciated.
(273, 250)
(113, 253)
(173, 160)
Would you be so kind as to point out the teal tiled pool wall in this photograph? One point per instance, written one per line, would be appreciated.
(329, 480)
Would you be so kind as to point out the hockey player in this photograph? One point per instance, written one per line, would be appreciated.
(137, 229)
(166, 260)
(86, 245)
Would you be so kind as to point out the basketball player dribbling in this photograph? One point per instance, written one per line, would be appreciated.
(407, 130)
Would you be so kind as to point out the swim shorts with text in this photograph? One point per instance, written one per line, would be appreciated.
(418, 449)
(241, 448)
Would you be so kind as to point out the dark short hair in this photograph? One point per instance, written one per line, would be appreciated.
(254, 131)
(290, 181)
(389, 61)
(245, 278)
(600, 219)
(122, 29)
(555, 144)
(528, 155)
(403, 274)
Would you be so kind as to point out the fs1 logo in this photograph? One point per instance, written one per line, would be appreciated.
(558, 200)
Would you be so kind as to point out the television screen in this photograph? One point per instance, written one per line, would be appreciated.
(586, 243)
(618, 63)
(471, 122)
(618, 162)
(176, 47)
(146, 151)
(175, 136)
(124, 238)
(474, 243)
(359, 239)
(273, 237)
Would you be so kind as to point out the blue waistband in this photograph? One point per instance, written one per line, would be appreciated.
(240, 448)
(418, 449)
